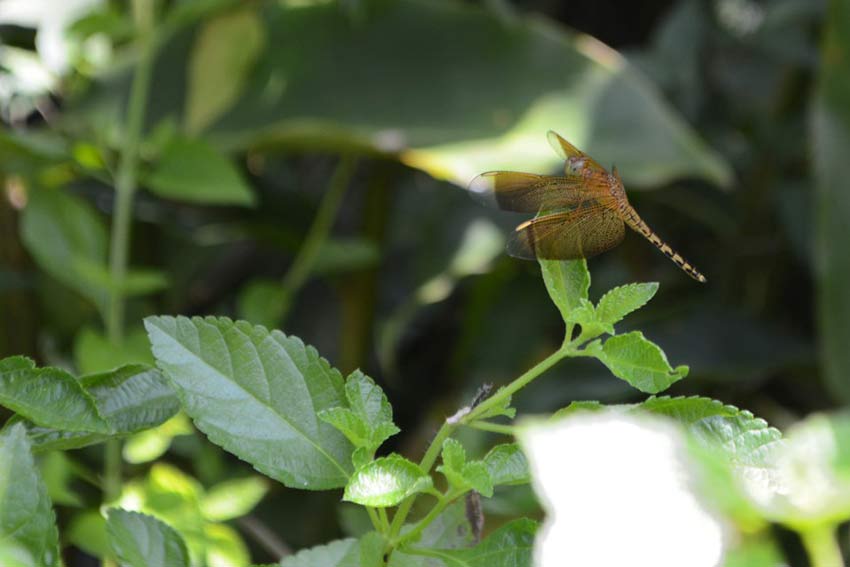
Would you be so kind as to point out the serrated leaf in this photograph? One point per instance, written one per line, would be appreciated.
(367, 422)
(129, 399)
(507, 465)
(364, 552)
(257, 394)
(620, 301)
(567, 283)
(193, 171)
(217, 70)
(49, 397)
(509, 546)
(463, 475)
(501, 409)
(386, 482)
(26, 516)
(641, 363)
(587, 318)
(143, 541)
(233, 498)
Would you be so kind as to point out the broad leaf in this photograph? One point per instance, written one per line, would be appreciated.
(638, 361)
(386, 482)
(49, 397)
(621, 301)
(257, 394)
(507, 465)
(365, 552)
(509, 546)
(193, 171)
(129, 399)
(462, 475)
(26, 516)
(143, 541)
(567, 283)
(94, 352)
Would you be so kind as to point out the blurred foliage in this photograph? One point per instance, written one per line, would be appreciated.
(728, 119)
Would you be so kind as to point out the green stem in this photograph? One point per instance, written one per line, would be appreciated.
(385, 521)
(500, 428)
(822, 547)
(425, 464)
(319, 230)
(373, 516)
(438, 508)
(127, 177)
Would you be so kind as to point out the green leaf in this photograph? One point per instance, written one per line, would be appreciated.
(233, 498)
(567, 283)
(365, 552)
(93, 352)
(49, 397)
(386, 482)
(449, 530)
(57, 471)
(507, 465)
(129, 399)
(143, 541)
(87, 530)
(257, 394)
(150, 444)
(225, 50)
(193, 171)
(462, 475)
(621, 301)
(263, 302)
(26, 516)
(65, 236)
(509, 546)
(830, 129)
(368, 421)
(641, 363)
(224, 546)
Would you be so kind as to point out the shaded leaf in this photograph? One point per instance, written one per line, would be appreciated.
(462, 475)
(341, 553)
(567, 283)
(507, 465)
(256, 393)
(27, 521)
(509, 546)
(641, 363)
(143, 541)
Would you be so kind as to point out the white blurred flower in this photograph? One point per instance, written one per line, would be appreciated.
(617, 491)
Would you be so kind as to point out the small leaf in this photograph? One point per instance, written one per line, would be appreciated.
(507, 464)
(509, 546)
(257, 394)
(639, 362)
(223, 545)
(386, 482)
(501, 409)
(142, 541)
(567, 283)
(621, 301)
(191, 170)
(26, 516)
(49, 397)
(463, 475)
(93, 352)
(233, 498)
(586, 316)
(367, 422)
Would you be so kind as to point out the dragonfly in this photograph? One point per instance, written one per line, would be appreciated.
(579, 214)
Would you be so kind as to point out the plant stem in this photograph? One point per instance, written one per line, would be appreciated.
(438, 508)
(373, 517)
(500, 428)
(319, 230)
(448, 428)
(127, 177)
(385, 522)
(821, 546)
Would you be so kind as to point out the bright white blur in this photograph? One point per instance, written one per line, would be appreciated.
(616, 491)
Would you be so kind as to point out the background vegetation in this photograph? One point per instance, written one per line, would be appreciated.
(301, 164)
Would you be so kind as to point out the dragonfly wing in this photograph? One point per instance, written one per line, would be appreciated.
(530, 193)
(576, 160)
(579, 233)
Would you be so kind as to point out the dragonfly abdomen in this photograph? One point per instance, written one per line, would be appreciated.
(638, 225)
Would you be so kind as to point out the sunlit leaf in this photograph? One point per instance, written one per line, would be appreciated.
(257, 393)
(386, 482)
(464, 475)
(233, 498)
(567, 283)
(641, 363)
(622, 300)
(507, 464)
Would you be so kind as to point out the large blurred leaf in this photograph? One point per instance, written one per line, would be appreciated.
(141, 541)
(831, 138)
(257, 394)
(26, 516)
(478, 96)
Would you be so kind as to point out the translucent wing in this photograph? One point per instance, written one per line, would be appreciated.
(580, 233)
(576, 160)
(530, 193)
